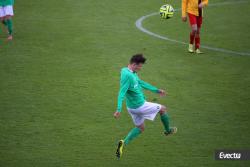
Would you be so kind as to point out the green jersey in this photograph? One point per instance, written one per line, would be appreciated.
(6, 2)
(131, 88)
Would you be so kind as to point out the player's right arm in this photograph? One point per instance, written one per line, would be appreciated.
(184, 10)
(124, 86)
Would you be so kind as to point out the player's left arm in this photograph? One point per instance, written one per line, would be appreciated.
(203, 3)
(152, 88)
(148, 86)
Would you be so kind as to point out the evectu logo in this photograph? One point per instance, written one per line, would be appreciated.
(229, 155)
(232, 154)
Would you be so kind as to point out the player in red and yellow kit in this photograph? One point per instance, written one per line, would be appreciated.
(194, 10)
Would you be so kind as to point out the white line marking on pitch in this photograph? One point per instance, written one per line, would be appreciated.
(138, 24)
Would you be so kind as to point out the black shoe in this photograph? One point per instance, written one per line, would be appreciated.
(173, 130)
(119, 149)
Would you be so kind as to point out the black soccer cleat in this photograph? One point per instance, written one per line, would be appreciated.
(173, 130)
(119, 149)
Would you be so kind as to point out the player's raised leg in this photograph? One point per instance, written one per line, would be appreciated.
(165, 121)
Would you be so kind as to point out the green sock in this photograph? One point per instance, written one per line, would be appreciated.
(131, 135)
(4, 22)
(9, 25)
(165, 121)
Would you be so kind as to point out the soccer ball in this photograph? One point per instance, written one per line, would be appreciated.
(166, 11)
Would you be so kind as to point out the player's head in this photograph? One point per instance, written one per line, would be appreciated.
(136, 62)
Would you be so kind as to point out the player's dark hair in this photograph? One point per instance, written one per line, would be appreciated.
(137, 59)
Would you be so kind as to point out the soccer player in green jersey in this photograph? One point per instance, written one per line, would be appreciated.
(6, 13)
(131, 88)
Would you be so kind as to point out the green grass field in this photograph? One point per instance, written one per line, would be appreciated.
(60, 78)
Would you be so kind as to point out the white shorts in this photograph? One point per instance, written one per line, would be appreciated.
(147, 111)
(6, 10)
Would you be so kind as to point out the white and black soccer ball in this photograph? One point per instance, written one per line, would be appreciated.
(166, 11)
